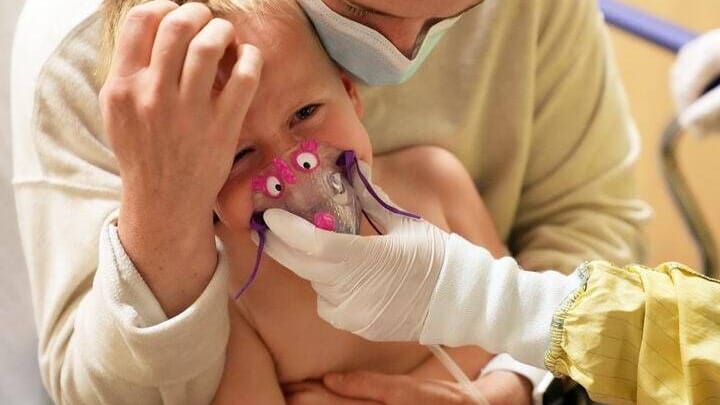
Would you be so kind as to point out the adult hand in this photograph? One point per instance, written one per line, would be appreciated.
(397, 389)
(378, 287)
(174, 130)
(315, 393)
(697, 66)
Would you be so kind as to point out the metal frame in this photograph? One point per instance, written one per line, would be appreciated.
(685, 200)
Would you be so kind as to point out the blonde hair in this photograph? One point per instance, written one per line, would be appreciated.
(115, 11)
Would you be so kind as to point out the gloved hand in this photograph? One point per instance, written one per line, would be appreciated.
(697, 65)
(378, 287)
(419, 283)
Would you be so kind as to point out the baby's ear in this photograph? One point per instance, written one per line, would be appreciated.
(351, 89)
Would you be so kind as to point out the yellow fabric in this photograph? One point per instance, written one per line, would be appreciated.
(641, 335)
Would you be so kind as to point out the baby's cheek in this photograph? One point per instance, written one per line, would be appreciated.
(234, 205)
(350, 138)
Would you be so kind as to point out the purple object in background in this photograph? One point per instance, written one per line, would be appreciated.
(653, 29)
(639, 23)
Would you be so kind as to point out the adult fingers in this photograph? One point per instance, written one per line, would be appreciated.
(203, 55)
(332, 247)
(235, 98)
(174, 34)
(366, 385)
(703, 116)
(315, 393)
(697, 64)
(298, 262)
(324, 398)
(136, 36)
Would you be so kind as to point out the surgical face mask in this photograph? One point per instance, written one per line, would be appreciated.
(366, 53)
(311, 180)
(307, 181)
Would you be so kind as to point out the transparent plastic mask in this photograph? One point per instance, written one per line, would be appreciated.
(307, 181)
(311, 180)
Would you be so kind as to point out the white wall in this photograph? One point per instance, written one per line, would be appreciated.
(19, 376)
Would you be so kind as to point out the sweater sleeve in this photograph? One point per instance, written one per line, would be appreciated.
(639, 335)
(103, 337)
(579, 199)
(131, 352)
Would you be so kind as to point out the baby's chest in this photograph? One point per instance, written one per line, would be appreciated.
(304, 347)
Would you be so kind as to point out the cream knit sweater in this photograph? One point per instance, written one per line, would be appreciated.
(523, 92)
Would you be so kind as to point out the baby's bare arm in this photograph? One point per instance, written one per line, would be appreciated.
(249, 375)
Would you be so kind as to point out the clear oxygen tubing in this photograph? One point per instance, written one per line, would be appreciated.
(458, 374)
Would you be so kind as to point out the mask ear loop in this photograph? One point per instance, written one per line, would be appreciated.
(347, 160)
(257, 224)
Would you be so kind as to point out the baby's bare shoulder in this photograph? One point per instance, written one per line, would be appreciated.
(424, 176)
(429, 167)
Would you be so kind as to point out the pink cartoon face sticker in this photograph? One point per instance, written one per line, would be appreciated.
(273, 185)
(307, 181)
(305, 158)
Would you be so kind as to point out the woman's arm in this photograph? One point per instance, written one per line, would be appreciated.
(174, 134)
(103, 335)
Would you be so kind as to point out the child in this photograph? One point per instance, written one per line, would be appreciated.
(277, 339)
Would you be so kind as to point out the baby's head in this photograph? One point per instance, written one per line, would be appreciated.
(302, 94)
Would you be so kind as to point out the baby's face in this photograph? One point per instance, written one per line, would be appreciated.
(301, 95)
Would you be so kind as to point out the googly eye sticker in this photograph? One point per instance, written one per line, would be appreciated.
(306, 161)
(271, 186)
(305, 157)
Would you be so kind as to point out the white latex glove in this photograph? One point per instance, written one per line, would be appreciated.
(419, 283)
(377, 287)
(697, 65)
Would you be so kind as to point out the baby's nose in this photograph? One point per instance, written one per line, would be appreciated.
(279, 145)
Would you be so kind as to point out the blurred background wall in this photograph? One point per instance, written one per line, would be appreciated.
(19, 374)
(644, 69)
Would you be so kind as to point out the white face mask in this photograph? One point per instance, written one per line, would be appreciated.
(366, 53)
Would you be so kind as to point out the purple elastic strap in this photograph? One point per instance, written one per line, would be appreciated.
(347, 160)
(257, 224)
(370, 221)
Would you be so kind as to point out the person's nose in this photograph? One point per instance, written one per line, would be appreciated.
(278, 144)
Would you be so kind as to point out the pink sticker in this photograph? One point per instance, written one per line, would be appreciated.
(284, 171)
(324, 220)
(309, 145)
(258, 184)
